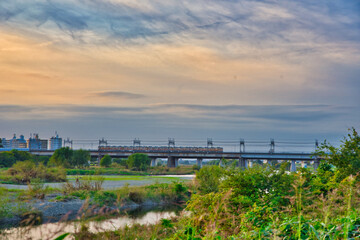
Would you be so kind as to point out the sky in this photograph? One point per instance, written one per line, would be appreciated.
(225, 69)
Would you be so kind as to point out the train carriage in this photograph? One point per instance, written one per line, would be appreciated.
(160, 149)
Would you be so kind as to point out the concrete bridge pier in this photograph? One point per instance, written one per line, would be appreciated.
(250, 163)
(288, 166)
(242, 163)
(98, 159)
(153, 162)
(172, 162)
(293, 166)
(316, 164)
(199, 162)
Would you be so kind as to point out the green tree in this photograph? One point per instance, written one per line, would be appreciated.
(80, 158)
(62, 157)
(105, 161)
(21, 155)
(209, 178)
(345, 158)
(121, 161)
(1, 145)
(138, 161)
(7, 159)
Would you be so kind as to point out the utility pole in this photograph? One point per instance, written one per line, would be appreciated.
(272, 145)
(242, 145)
(171, 142)
(210, 142)
(68, 141)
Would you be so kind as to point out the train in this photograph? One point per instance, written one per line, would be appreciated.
(151, 149)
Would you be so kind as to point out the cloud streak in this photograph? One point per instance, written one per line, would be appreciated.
(159, 21)
(119, 94)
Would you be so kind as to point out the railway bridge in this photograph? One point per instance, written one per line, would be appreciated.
(245, 159)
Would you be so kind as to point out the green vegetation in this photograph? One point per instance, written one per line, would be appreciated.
(7, 159)
(66, 157)
(119, 170)
(27, 171)
(10, 205)
(80, 158)
(346, 158)
(61, 157)
(262, 202)
(265, 202)
(124, 178)
(105, 161)
(138, 162)
(209, 178)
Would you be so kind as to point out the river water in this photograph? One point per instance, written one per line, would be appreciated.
(53, 230)
(141, 216)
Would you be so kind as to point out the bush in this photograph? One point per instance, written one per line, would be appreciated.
(61, 157)
(105, 161)
(122, 162)
(105, 198)
(346, 158)
(209, 178)
(196, 167)
(80, 158)
(24, 172)
(259, 184)
(85, 183)
(136, 197)
(139, 162)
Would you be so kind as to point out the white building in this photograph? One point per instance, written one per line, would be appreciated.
(55, 142)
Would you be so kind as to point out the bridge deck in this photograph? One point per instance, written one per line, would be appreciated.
(200, 155)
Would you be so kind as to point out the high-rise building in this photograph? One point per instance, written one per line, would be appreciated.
(55, 142)
(35, 143)
(14, 142)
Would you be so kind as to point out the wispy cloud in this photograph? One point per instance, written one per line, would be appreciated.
(119, 94)
(162, 21)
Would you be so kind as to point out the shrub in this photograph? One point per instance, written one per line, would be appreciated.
(138, 161)
(85, 183)
(136, 197)
(24, 172)
(346, 158)
(105, 161)
(61, 157)
(36, 189)
(196, 167)
(80, 158)
(105, 198)
(31, 218)
(209, 178)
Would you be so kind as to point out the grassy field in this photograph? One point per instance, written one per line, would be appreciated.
(128, 178)
(161, 170)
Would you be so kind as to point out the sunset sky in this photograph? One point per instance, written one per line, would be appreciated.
(224, 69)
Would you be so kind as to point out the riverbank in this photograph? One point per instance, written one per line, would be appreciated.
(36, 206)
(159, 170)
(112, 182)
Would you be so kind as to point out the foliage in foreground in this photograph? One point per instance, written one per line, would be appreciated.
(265, 203)
(268, 203)
(25, 172)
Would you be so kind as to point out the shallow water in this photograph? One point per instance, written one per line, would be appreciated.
(53, 230)
(110, 184)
